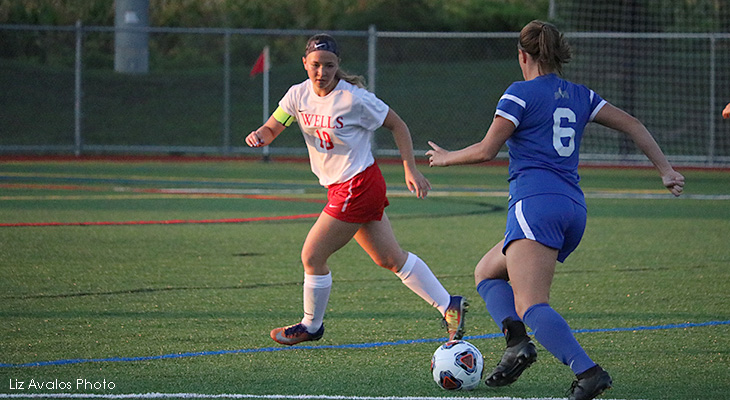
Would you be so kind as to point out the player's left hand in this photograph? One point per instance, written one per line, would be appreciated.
(674, 181)
(417, 183)
(726, 111)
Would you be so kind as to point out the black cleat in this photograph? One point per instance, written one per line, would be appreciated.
(515, 360)
(590, 387)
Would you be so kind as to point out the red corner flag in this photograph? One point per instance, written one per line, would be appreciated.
(260, 66)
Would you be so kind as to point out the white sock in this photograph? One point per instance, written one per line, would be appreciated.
(316, 295)
(418, 277)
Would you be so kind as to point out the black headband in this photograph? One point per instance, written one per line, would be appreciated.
(322, 42)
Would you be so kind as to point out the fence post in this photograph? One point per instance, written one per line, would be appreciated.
(131, 36)
(227, 92)
(267, 66)
(77, 91)
(372, 44)
(552, 13)
(712, 108)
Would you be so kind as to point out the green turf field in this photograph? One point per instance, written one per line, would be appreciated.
(170, 307)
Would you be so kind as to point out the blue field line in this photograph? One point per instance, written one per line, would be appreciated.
(337, 347)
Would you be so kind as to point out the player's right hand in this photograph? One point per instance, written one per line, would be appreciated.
(436, 155)
(254, 140)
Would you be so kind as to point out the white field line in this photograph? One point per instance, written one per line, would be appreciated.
(223, 191)
(244, 396)
(639, 194)
(619, 194)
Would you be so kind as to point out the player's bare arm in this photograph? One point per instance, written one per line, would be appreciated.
(615, 118)
(265, 134)
(415, 180)
(498, 133)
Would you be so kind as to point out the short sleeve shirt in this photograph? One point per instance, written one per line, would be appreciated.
(550, 115)
(337, 128)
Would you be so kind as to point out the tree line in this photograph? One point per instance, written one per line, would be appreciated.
(399, 15)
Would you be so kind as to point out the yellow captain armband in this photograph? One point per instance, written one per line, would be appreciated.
(281, 116)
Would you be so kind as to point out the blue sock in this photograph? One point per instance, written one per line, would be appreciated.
(555, 335)
(500, 300)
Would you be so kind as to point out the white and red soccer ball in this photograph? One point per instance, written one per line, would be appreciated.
(457, 365)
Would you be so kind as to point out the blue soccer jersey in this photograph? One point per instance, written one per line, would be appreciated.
(549, 114)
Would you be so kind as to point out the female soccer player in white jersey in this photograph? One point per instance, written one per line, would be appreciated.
(541, 120)
(338, 117)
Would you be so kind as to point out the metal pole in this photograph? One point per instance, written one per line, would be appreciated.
(77, 91)
(711, 108)
(551, 11)
(372, 44)
(227, 92)
(267, 66)
(131, 43)
(266, 83)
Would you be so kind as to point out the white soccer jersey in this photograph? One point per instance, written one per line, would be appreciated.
(338, 128)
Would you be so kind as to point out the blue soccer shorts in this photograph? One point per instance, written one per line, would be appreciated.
(553, 220)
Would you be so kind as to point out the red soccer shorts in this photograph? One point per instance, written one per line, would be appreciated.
(361, 199)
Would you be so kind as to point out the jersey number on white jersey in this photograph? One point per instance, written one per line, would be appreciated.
(325, 141)
(560, 132)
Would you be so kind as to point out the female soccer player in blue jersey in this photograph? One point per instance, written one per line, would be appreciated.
(542, 120)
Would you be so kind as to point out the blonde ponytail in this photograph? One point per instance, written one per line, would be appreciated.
(357, 80)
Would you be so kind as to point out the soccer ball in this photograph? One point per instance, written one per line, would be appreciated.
(457, 365)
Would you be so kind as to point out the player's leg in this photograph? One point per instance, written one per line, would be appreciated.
(553, 232)
(549, 327)
(493, 265)
(502, 299)
(491, 277)
(531, 267)
(326, 237)
(379, 241)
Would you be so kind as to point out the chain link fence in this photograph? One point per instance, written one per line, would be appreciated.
(59, 92)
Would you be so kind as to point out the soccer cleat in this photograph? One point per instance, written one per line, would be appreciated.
(454, 317)
(291, 335)
(515, 360)
(588, 388)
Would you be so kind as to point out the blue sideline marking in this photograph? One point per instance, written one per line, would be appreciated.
(341, 346)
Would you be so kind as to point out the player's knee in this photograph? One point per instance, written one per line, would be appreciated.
(392, 260)
(312, 262)
(390, 263)
(490, 269)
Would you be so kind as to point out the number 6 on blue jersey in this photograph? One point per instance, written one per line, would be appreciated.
(564, 147)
